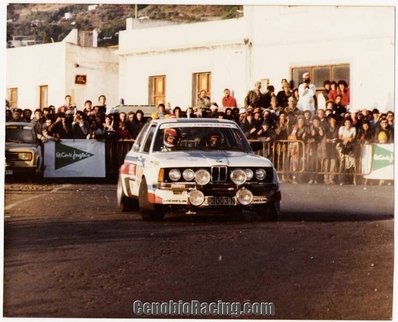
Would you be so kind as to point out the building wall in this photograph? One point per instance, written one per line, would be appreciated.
(100, 65)
(178, 52)
(55, 65)
(33, 66)
(272, 40)
(291, 36)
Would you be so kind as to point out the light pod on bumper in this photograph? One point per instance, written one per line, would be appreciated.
(174, 174)
(238, 176)
(196, 197)
(261, 174)
(188, 174)
(202, 177)
(244, 196)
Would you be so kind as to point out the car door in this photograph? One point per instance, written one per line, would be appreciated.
(141, 158)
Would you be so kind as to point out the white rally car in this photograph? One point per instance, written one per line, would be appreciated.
(193, 164)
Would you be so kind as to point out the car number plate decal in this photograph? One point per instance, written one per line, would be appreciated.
(220, 201)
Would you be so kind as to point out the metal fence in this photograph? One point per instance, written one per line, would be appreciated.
(293, 160)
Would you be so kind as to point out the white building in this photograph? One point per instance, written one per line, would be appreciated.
(172, 63)
(41, 75)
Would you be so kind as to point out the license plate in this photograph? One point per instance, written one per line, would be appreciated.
(220, 201)
(9, 172)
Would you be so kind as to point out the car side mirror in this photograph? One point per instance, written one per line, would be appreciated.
(136, 147)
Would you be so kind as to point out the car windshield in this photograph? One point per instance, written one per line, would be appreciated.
(19, 134)
(183, 137)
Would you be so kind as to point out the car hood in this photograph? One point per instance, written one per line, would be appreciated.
(18, 146)
(209, 158)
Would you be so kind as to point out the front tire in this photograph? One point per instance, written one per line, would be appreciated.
(125, 203)
(149, 211)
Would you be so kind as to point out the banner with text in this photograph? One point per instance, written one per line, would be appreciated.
(74, 158)
(382, 162)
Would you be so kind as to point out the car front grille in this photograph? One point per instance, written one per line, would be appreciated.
(219, 174)
(12, 156)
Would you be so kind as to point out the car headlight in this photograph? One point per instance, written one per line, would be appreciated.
(238, 176)
(25, 156)
(249, 174)
(202, 177)
(174, 174)
(188, 174)
(196, 197)
(261, 174)
(244, 196)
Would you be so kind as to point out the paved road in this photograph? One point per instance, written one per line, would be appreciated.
(70, 253)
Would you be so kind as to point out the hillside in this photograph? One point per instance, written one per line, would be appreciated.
(52, 22)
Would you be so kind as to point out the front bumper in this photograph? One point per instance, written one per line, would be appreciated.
(215, 196)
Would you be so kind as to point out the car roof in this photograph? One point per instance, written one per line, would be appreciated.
(193, 121)
(22, 124)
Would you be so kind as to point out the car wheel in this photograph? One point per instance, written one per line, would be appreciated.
(149, 211)
(270, 211)
(125, 203)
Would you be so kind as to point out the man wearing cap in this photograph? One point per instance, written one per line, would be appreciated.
(307, 91)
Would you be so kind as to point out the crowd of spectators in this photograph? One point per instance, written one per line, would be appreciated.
(326, 124)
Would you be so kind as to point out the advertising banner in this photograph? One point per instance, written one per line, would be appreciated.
(74, 158)
(382, 162)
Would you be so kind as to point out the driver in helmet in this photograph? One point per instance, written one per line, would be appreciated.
(171, 138)
(215, 140)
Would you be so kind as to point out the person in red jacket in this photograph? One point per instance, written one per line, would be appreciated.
(228, 100)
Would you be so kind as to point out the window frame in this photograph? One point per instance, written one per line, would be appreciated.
(196, 85)
(311, 69)
(12, 96)
(154, 97)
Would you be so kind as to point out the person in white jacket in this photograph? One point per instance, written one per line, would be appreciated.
(307, 90)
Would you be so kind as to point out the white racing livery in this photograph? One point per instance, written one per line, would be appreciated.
(193, 164)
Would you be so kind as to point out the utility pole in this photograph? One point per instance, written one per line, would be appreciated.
(136, 11)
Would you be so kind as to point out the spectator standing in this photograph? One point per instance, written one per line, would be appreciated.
(138, 123)
(333, 91)
(314, 136)
(123, 132)
(347, 135)
(38, 122)
(27, 115)
(203, 100)
(228, 100)
(344, 91)
(17, 115)
(383, 133)
(60, 127)
(296, 152)
(332, 137)
(254, 98)
(375, 117)
(268, 96)
(47, 132)
(249, 126)
(80, 128)
(284, 94)
(109, 129)
(365, 134)
(339, 109)
(8, 115)
(102, 104)
(160, 113)
(307, 91)
(67, 104)
(130, 122)
(88, 108)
